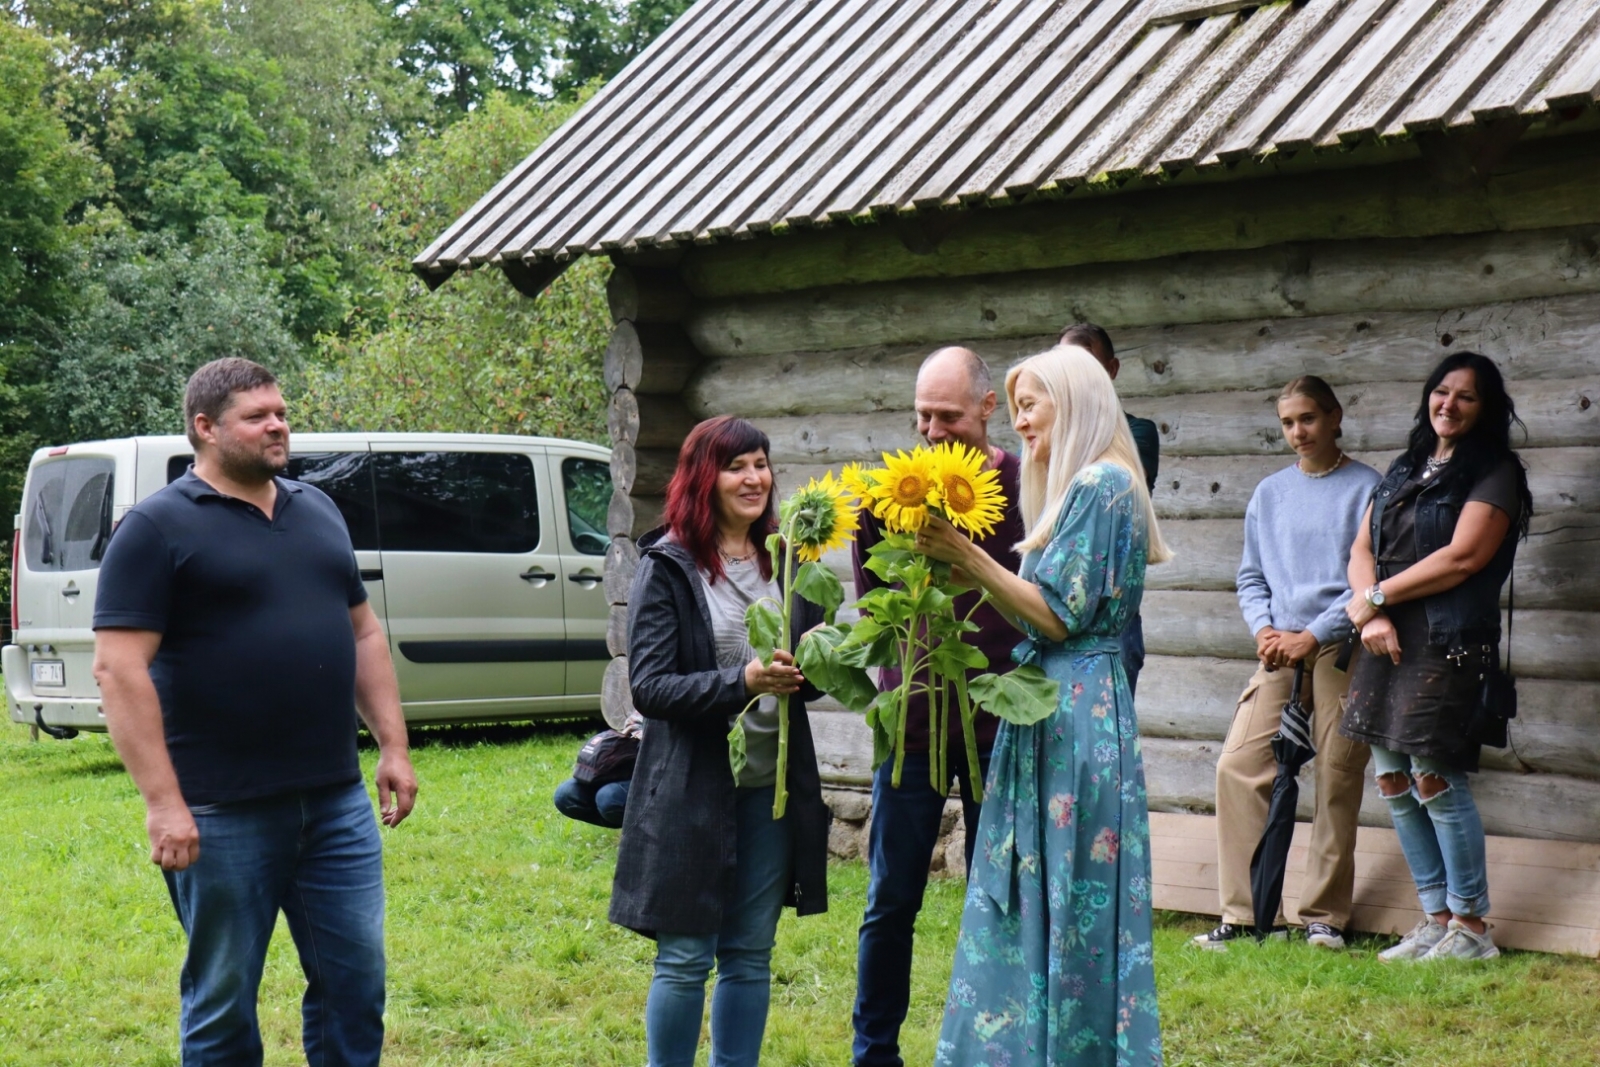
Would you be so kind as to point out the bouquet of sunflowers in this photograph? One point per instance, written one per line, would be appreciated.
(910, 623)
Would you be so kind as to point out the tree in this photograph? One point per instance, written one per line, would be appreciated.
(155, 308)
(600, 37)
(476, 355)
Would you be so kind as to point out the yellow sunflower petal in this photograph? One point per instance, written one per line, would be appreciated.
(825, 518)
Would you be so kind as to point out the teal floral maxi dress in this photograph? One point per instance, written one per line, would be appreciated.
(1053, 966)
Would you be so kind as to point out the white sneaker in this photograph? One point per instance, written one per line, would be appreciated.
(1460, 943)
(1416, 944)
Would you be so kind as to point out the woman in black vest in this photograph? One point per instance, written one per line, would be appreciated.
(702, 866)
(1426, 570)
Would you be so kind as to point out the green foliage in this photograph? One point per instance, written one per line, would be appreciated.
(818, 584)
(475, 355)
(764, 623)
(601, 36)
(154, 309)
(1023, 695)
(818, 659)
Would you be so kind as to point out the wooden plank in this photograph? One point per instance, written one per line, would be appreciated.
(1547, 643)
(1504, 94)
(1523, 914)
(1157, 81)
(1351, 78)
(1183, 106)
(1470, 67)
(1427, 53)
(622, 416)
(1556, 338)
(1562, 480)
(1294, 29)
(1557, 729)
(1291, 86)
(617, 630)
(1538, 184)
(981, 72)
(663, 422)
(1042, 167)
(622, 559)
(1555, 567)
(616, 700)
(1377, 418)
(1180, 776)
(1317, 279)
(1578, 82)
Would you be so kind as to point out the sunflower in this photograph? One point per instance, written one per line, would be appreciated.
(905, 490)
(969, 496)
(855, 479)
(824, 514)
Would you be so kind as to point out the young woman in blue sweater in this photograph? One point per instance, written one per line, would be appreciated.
(1292, 590)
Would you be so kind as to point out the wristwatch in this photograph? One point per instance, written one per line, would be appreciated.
(1375, 595)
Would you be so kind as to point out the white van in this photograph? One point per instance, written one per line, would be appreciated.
(483, 554)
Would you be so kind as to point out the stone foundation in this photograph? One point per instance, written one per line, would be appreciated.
(852, 815)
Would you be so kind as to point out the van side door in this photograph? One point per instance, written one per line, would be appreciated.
(585, 494)
(472, 577)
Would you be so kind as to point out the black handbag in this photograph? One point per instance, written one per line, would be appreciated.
(606, 757)
(1497, 689)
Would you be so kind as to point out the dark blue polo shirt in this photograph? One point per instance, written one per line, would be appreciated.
(257, 666)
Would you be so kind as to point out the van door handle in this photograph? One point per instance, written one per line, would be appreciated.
(71, 592)
(588, 581)
(534, 574)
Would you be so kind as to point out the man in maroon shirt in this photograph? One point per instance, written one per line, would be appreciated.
(954, 401)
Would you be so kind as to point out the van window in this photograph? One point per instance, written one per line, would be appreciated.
(66, 518)
(345, 476)
(456, 502)
(587, 484)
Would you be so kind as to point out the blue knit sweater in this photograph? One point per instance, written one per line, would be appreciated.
(1297, 537)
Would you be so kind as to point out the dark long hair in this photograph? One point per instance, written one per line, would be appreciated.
(691, 512)
(1487, 444)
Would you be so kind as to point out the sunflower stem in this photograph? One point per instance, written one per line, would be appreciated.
(908, 659)
(934, 746)
(780, 794)
(974, 768)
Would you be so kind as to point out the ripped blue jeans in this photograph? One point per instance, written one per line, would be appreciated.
(1442, 837)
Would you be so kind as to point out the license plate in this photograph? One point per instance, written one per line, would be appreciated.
(49, 672)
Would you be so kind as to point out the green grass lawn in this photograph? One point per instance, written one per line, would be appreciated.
(499, 951)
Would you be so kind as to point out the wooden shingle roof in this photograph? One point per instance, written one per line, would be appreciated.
(752, 116)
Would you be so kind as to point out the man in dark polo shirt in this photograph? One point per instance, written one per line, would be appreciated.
(954, 400)
(1091, 337)
(234, 647)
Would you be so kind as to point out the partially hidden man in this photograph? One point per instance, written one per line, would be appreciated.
(234, 647)
(954, 400)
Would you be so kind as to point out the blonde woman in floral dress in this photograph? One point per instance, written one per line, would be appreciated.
(1053, 966)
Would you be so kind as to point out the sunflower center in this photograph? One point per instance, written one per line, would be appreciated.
(910, 491)
(959, 495)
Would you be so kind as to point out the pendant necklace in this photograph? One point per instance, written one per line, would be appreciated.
(1431, 466)
(1320, 474)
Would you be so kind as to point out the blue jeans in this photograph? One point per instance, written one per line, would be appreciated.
(1133, 652)
(317, 857)
(1442, 836)
(741, 950)
(601, 805)
(900, 843)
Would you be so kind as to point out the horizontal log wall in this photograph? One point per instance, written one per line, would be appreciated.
(818, 338)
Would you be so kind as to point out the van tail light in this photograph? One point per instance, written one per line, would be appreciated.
(16, 559)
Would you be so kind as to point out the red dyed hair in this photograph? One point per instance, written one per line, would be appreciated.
(691, 513)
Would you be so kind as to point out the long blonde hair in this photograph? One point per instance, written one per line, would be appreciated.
(1089, 427)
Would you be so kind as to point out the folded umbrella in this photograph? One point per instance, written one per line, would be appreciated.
(1292, 747)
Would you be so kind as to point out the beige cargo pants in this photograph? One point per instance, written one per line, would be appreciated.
(1244, 788)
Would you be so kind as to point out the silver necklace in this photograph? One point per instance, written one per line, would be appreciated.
(729, 557)
(1431, 466)
(1320, 474)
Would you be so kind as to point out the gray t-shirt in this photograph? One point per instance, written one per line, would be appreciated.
(742, 585)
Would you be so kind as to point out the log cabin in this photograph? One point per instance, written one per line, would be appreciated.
(802, 198)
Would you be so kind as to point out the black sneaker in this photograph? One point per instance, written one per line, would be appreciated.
(1218, 939)
(1324, 936)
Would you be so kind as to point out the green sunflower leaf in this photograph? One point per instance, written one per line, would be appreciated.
(821, 586)
(1023, 696)
(764, 623)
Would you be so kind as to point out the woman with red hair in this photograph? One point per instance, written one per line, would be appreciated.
(702, 866)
